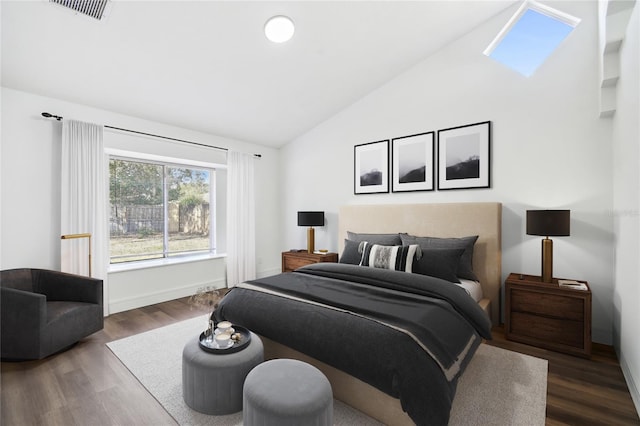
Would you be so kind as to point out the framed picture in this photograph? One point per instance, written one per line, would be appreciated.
(412, 163)
(464, 156)
(371, 168)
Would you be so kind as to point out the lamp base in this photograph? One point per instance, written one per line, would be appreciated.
(547, 260)
(311, 240)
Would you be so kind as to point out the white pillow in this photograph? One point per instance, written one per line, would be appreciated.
(399, 258)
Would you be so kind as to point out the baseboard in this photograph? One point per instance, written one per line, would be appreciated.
(631, 384)
(128, 303)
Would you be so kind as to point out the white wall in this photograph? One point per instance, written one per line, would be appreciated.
(549, 150)
(30, 206)
(626, 190)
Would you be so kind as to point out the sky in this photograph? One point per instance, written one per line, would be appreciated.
(530, 41)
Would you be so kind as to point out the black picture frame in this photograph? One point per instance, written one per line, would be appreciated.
(371, 168)
(464, 156)
(412, 162)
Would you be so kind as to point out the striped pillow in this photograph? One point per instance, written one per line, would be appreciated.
(399, 258)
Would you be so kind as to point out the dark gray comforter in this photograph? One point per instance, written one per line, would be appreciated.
(411, 336)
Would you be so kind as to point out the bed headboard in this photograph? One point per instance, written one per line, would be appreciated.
(439, 220)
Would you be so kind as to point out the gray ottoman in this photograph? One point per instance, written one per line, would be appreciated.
(212, 383)
(287, 392)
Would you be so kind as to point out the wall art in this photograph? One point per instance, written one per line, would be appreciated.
(412, 165)
(464, 156)
(371, 168)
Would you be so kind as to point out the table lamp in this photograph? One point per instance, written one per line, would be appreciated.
(310, 219)
(548, 223)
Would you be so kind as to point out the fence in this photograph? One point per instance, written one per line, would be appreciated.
(135, 219)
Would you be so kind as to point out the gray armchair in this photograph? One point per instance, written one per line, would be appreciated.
(43, 312)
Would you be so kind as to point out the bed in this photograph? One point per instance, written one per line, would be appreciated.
(339, 339)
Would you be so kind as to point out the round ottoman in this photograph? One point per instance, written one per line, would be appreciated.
(212, 383)
(287, 392)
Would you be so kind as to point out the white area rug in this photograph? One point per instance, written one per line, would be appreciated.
(499, 387)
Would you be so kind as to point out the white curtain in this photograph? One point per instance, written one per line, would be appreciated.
(241, 228)
(84, 201)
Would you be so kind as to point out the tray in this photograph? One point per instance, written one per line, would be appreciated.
(237, 346)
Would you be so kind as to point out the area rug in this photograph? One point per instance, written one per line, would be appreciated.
(499, 387)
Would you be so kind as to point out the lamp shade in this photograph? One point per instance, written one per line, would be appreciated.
(310, 218)
(548, 223)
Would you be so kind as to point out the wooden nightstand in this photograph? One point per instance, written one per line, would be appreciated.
(547, 315)
(295, 259)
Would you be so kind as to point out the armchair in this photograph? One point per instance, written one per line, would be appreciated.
(43, 312)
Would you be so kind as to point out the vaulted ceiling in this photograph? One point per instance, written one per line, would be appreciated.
(207, 66)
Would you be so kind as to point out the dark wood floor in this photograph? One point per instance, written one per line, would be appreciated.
(581, 391)
(87, 385)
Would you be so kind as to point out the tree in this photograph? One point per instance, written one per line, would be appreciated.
(187, 185)
(132, 182)
(140, 183)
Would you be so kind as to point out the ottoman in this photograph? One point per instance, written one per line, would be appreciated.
(212, 383)
(287, 392)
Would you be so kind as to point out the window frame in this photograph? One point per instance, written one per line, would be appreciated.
(533, 5)
(213, 202)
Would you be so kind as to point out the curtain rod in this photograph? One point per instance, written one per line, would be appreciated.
(59, 118)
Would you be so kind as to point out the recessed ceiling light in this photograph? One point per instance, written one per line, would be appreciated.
(279, 29)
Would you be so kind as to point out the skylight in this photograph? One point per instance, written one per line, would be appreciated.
(531, 35)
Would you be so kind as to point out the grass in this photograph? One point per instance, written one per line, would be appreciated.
(151, 246)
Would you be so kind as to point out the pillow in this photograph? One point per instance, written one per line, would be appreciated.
(439, 263)
(382, 239)
(350, 253)
(465, 269)
(399, 258)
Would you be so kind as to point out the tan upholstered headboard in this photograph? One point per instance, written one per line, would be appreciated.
(439, 220)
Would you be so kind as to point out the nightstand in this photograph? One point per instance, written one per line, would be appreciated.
(547, 315)
(295, 259)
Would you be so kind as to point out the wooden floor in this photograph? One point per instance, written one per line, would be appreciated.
(87, 385)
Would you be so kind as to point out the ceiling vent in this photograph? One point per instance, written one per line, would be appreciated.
(94, 8)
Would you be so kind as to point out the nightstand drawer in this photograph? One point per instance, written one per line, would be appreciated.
(551, 305)
(292, 263)
(558, 331)
(292, 260)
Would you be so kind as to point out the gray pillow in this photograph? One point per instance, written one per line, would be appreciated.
(382, 239)
(350, 253)
(465, 268)
(440, 263)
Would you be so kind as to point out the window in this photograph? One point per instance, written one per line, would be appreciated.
(160, 210)
(531, 35)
